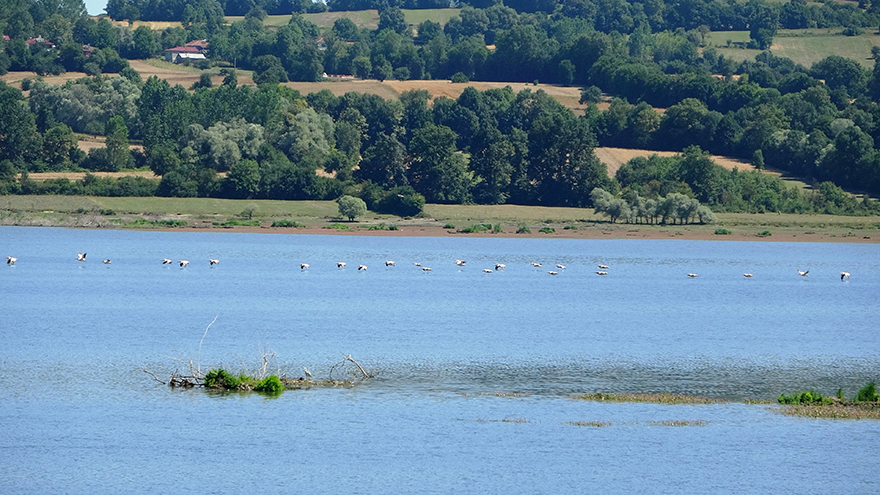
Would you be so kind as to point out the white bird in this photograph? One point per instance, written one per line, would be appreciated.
(486, 270)
(747, 275)
(692, 275)
(166, 261)
(303, 266)
(460, 262)
(536, 264)
(389, 263)
(843, 275)
(214, 262)
(362, 268)
(602, 267)
(81, 256)
(340, 264)
(500, 266)
(561, 267)
(426, 268)
(600, 272)
(106, 262)
(307, 372)
(183, 263)
(10, 260)
(416, 263)
(803, 274)
(551, 272)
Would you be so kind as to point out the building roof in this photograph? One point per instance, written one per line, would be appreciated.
(200, 44)
(40, 39)
(6, 37)
(183, 49)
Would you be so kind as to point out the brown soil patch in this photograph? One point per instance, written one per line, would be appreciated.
(613, 158)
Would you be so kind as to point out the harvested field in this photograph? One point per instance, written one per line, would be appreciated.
(72, 176)
(615, 157)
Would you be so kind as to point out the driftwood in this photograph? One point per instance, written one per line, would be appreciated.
(346, 359)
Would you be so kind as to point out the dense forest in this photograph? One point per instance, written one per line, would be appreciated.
(488, 147)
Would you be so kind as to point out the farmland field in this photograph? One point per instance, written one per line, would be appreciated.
(803, 46)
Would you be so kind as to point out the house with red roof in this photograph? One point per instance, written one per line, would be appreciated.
(180, 53)
(202, 45)
(39, 40)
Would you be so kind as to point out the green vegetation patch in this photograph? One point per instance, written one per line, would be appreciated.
(547, 230)
(722, 232)
(679, 422)
(662, 398)
(594, 424)
(155, 223)
(288, 223)
(383, 226)
(238, 223)
(476, 228)
(336, 226)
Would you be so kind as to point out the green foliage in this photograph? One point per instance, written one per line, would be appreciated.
(382, 226)
(497, 229)
(868, 393)
(156, 223)
(238, 223)
(722, 232)
(570, 227)
(288, 223)
(449, 226)
(351, 207)
(476, 228)
(524, 229)
(337, 226)
(764, 233)
(547, 230)
(808, 397)
(270, 385)
(459, 77)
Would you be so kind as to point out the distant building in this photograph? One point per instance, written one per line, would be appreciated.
(178, 54)
(201, 45)
(48, 45)
(6, 37)
(88, 50)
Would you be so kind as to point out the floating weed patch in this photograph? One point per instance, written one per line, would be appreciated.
(288, 223)
(594, 424)
(864, 410)
(664, 398)
(679, 422)
(514, 420)
(336, 226)
(500, 393)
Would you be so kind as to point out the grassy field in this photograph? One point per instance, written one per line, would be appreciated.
(79, 211)
(804, 46)
(363, 19)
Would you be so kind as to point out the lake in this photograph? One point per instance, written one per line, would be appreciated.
(474, 372)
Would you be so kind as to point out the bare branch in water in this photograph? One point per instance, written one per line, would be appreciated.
(199, 369)
(349, 359)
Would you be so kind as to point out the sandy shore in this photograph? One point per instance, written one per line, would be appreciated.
(681, 232)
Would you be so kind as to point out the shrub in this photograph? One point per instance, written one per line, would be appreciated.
(524, 230)
(238, 223)
(449, 226)
(547, 230)
(382, 226)
(809, 397)
(722, 232)
(480, 227)
(270, 385)
(459, 77)
(287, 223)
(570, 227)
(868, 393)
(337, 226)
(497, 229)
(765, 233)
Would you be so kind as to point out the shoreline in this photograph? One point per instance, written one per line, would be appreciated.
(433, 228)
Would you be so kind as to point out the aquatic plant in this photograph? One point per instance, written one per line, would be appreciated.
(270, 385)
(595, 424)
(661, 398)
(808, 397)
(868, 393)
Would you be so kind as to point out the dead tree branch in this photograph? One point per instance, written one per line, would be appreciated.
(349, 359)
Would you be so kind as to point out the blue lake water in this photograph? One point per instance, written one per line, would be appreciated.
(474, 372)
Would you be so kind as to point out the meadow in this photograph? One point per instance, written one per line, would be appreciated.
(803, 46)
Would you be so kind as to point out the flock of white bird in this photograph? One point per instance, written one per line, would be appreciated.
(603, 269)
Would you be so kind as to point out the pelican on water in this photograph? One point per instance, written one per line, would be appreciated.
(106, 262)
(303, 266)
(460, 262)
(561, 267)
(416, 263)
(551, 272)
(602, 267)
(486, 270)
(183, 263)
(803, 274)
(692, 275)
(389, 263)
(500, 266)
(843, 275)
(81, 256)
(536, 264)
(747, 275)
(601, 272)
(426, 268)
